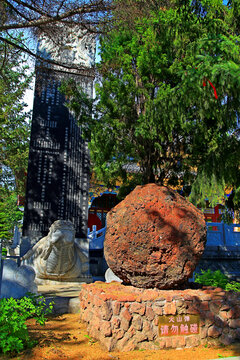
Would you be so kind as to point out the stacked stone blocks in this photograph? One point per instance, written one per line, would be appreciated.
(126, 318)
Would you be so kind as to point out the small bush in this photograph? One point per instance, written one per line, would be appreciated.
(216, 278)
(233, 286)
(13, 315)
(4, 252)
(212, 278)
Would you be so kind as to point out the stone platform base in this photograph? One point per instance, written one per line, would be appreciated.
(124, 317)
(64, 295)
(81, 280)
(63, 305)
(61, 290)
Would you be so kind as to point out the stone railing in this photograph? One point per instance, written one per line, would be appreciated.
(124, 318)
(96, 238)
(218, 234)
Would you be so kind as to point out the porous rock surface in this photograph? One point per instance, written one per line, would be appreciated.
(154, 238)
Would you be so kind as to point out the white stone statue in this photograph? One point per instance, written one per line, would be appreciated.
(57, 256)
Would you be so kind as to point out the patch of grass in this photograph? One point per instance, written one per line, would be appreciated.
(90, 339)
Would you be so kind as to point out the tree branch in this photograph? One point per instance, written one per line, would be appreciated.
(17, 12)
(45, 19)
(30, 7)
(4, 60)
(48, 61)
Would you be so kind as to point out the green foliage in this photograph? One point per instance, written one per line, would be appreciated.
(212, 278)
(15, 130)
(10, 215)
(152, 108)
(218, 279)
(233, 286)
(227, 216)
(14, 121)
(14, 335)
(4, 251)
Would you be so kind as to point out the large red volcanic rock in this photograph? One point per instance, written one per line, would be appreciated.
(154, 238)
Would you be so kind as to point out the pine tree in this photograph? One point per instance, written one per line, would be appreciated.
(14, 120)
(168, 99)
(14, 139)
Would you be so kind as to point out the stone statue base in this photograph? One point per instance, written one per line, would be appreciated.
(74, 281)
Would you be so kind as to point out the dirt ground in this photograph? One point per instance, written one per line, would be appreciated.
(65, 337)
